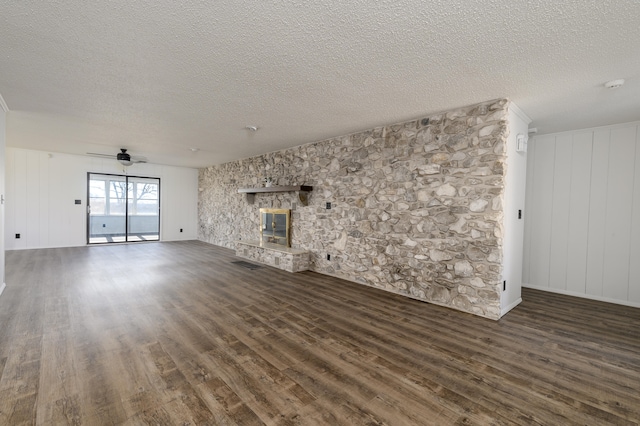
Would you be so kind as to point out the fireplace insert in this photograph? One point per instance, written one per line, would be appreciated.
(274, 226)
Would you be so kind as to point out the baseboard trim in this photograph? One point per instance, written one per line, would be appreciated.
(2, 287)
(584, 296)
(433, 302)
(506, 309)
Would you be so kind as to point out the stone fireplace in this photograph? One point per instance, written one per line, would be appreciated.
(273, 247)
(423, 208)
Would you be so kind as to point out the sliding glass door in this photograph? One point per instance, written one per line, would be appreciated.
(122, 209)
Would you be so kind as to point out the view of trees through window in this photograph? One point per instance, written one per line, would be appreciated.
(110, 196)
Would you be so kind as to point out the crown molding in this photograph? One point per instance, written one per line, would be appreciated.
(520, 113)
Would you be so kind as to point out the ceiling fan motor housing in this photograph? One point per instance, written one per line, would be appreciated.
(123, 156)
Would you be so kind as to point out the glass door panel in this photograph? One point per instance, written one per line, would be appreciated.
(143, 209)
(107, 208)
(123, 208)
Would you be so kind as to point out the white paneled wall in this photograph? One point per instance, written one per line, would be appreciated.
(41, 189)
(582, 225)
(3, 127)
(514, 200)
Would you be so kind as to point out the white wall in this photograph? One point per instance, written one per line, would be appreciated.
(179, 199)
(42, 188)
(514, 200)
(582, 231)
(3, 128)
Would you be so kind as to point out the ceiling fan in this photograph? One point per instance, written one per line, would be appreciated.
(123, 157)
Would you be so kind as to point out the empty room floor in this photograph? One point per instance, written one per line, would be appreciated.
(176, 333)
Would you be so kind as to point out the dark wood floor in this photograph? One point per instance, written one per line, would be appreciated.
(177, 334)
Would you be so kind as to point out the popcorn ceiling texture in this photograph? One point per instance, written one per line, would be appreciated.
(416, 207)
(162, 76)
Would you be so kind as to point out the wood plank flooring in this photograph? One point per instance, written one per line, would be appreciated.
(176, 334)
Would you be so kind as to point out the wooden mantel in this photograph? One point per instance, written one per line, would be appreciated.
(302, 191)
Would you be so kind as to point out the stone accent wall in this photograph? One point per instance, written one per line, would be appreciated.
(416, 207)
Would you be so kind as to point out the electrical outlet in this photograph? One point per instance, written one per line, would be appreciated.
(504, 285)
(328, 206)
(17, 236)
(180, 229)
(519, 214)
(328, 257)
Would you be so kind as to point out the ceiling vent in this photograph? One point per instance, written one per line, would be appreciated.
(614, 84)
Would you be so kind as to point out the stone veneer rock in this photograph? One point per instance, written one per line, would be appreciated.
(285, 258)
(416, 207)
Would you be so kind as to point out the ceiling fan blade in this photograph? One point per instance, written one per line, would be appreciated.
(97, 154)
(134, 158)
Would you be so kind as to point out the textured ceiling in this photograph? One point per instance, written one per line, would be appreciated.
(162, 76)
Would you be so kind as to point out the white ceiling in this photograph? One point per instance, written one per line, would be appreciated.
(162, 76)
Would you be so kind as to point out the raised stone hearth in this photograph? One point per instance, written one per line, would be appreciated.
(278, 256)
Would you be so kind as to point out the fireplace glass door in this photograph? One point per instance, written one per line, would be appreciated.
(274, 226)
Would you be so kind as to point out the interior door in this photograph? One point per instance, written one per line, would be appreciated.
(122, 209)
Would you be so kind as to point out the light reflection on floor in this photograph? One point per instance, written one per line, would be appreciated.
(116, 238)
